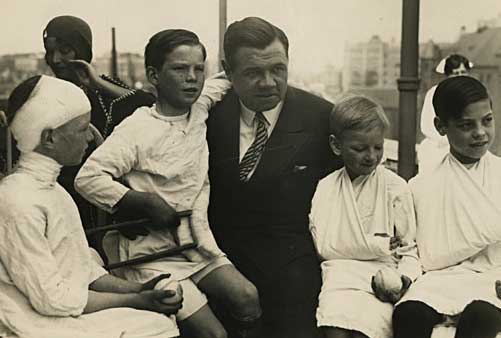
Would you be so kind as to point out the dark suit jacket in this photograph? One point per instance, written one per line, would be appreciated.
(262, 224)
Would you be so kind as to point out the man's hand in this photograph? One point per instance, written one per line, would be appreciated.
(161, 213)
(389, 296)
(498, 288)
(161, 301)
(87, 74)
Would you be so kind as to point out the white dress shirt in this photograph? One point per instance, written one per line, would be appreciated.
(248, 127)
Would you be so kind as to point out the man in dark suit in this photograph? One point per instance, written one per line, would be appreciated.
(268, 148)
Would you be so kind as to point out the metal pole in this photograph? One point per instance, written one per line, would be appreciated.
(223, 12)
(408, 86)
(114, 66)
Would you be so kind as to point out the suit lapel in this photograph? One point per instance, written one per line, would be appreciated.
(286, 139)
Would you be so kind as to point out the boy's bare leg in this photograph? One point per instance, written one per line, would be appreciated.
(336, 332)
(202, 324)
(240, 297)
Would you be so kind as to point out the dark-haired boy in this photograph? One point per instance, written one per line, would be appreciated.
(458, 215)
(162, 154)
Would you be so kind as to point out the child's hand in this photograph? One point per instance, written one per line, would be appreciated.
(161, 301)
(395, 242)
(161, 213)
(391, 296)
(150, 285)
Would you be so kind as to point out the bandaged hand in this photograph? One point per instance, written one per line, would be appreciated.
(390, 295)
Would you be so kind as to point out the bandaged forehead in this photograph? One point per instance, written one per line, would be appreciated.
(52, 103)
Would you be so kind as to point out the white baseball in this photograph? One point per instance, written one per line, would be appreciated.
(170, 284)
(388, 279)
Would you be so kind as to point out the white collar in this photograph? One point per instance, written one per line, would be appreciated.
(271, 115)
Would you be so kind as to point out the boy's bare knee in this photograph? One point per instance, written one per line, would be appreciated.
(247, 302)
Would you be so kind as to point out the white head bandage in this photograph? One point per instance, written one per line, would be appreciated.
(52, 103)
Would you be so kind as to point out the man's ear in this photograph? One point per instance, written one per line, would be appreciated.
(335, 145)
(227, 69)
(440, 126)
(152, 75)
(47, 139)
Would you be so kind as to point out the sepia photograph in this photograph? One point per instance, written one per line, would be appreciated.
(250, 169)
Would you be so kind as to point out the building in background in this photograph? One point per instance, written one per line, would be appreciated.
(372, 64)
(372, 68)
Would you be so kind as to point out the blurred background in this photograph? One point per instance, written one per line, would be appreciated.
(335, 46)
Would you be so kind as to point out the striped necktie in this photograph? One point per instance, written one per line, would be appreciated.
(254, 152)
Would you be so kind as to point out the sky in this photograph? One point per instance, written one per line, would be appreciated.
(317, 29)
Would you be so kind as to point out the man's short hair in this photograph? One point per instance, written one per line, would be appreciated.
(164, 42)
(20, 95)
(251, 32)
(454, 61)
(455, 93)
(356, 112)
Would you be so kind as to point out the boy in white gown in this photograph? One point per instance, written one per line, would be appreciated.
(161, 153)
(50, 286)
(458, 214)
(362, 222)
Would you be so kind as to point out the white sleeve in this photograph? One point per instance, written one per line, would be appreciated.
(405, 223)
(213, 92)
(96, 180)
(200, 229)
(26, 255)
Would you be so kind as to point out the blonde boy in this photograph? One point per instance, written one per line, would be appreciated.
(362, 222)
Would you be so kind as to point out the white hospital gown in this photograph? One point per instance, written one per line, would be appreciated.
(165, 155)
(345, 216)
(458, 214)
(46, 265)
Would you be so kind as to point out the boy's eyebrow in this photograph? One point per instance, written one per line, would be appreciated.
(470, 119)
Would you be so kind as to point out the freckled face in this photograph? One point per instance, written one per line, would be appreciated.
(181, 79)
